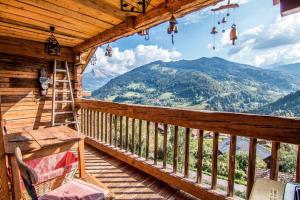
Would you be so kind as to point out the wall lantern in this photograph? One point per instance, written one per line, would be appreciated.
(52, 46)
(137, 6)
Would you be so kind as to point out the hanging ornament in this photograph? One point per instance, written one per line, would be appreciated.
(173, 28)
(233, 34)
(145, 33)
(214, 30)
(108, 51)
(94, 59)
(52, 46)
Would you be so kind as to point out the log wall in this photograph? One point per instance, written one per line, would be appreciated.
(22, 106)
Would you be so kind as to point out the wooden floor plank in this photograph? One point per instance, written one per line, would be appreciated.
(125, 181)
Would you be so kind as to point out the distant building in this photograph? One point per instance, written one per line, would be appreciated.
(242, 145)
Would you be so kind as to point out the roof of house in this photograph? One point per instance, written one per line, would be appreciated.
(242, 145)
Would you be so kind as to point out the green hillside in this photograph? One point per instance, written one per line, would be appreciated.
(286, 106)
(206, 83)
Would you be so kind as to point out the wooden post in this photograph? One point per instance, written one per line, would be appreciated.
(127, 133)
(275, 161)
(140, 137)
(155, 142)
(121, 132)
(187, 153)
(98, 126)
(231, 170)
(165, 143)
(133, 136)
(214, 174)
(200, 156)
(3, 173)
(110, 129)
(116, 130)
(106, 127)
(16, 178)
(175, 153)
(298, 166)
(102, 126)
(147, 140)
(81, 158)
(251, 165)
(78, 81)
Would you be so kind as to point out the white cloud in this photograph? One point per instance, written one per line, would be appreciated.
(267, 45)
(123, 61)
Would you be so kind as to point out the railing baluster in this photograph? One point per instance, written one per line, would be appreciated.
(175, 153)
(214, 173)
(121, 132)
(106, 127)
(116, 130)
(102, 126)
(231, 169)
(127, 133)
(251, 165)
(155, 142)
(87, 122)
(187, 152)
(140, 137)
(90, 123)
(200, 156)
(98, 126)
(133, 136)
(81, 120)
(94, 124)
(165, 142)
(110, 129)
(298, 166)
(275, 161)
(147, 140)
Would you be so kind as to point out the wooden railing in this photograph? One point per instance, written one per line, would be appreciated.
(117, 130)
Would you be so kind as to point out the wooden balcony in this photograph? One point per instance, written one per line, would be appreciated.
(130, 133)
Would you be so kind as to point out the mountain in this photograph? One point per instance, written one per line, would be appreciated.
(291, 69)
(286, 106)
(96, 78)
(205, 83)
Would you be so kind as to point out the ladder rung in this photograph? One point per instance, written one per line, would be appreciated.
(63, 101)
(62, 81)
(63, 123)
(62, 91)
(64, 112)
(61, 70)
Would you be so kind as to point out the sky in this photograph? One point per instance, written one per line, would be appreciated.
(265, 39)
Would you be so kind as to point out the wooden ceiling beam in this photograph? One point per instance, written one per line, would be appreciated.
(153, 17)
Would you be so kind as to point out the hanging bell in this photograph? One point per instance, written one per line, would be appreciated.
(108, 51)
(173, 28)
(233, 34)
(214, 30)
(145, 33)
(173, 25)
(224, 20)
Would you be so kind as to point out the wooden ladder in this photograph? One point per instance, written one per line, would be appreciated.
(71, 100)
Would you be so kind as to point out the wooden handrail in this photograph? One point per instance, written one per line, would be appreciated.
(104, 133)
(278, 129)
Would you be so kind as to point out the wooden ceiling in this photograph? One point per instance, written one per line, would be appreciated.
(75, 20)
(85, 24)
